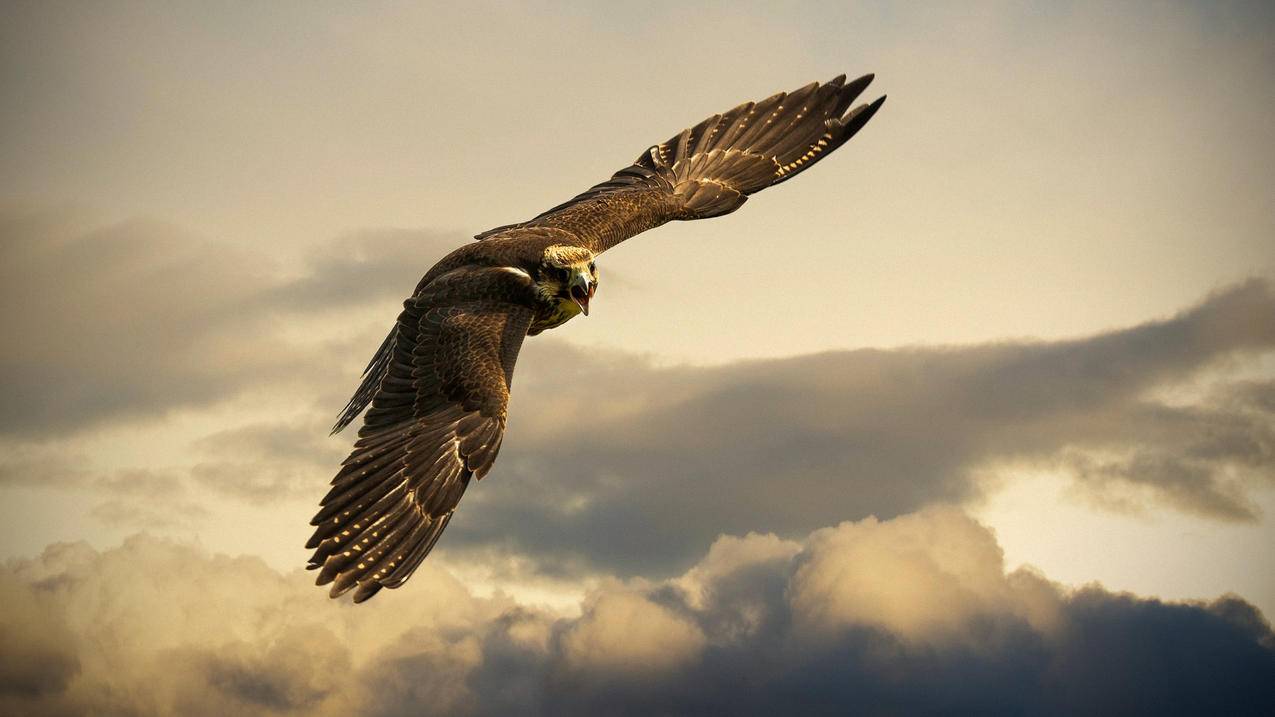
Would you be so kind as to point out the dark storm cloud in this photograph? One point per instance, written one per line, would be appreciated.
(910, 616)
(136, 318)
(613, 462)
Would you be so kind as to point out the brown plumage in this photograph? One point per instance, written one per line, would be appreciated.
(439, 385)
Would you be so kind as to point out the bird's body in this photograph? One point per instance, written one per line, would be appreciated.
(439, 385)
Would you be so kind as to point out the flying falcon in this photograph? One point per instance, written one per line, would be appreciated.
(439, 385)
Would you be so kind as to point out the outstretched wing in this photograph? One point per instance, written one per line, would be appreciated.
(710, 169)
(439, 387)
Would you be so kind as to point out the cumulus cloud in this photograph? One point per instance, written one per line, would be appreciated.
(911, 559)
(912, 615)
(136, 318)
(624, 633)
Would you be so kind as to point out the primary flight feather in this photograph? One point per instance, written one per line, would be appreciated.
(439, 385)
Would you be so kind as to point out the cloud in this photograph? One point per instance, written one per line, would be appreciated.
(615, 463)
(612, 463)
(131, 497)
(26, 466)
(266, 461)
(150, 512)
(38, 658)
(623, 633)
(911, 559)
(912, 615)
(134, 319)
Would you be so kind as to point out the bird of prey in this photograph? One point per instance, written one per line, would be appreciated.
(439, 384)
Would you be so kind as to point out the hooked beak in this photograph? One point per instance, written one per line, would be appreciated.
(582, 288)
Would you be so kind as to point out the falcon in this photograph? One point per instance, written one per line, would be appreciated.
(438, 386)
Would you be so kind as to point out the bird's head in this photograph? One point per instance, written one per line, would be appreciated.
(567, 276)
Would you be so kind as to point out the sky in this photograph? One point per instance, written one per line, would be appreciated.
(976, 417)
